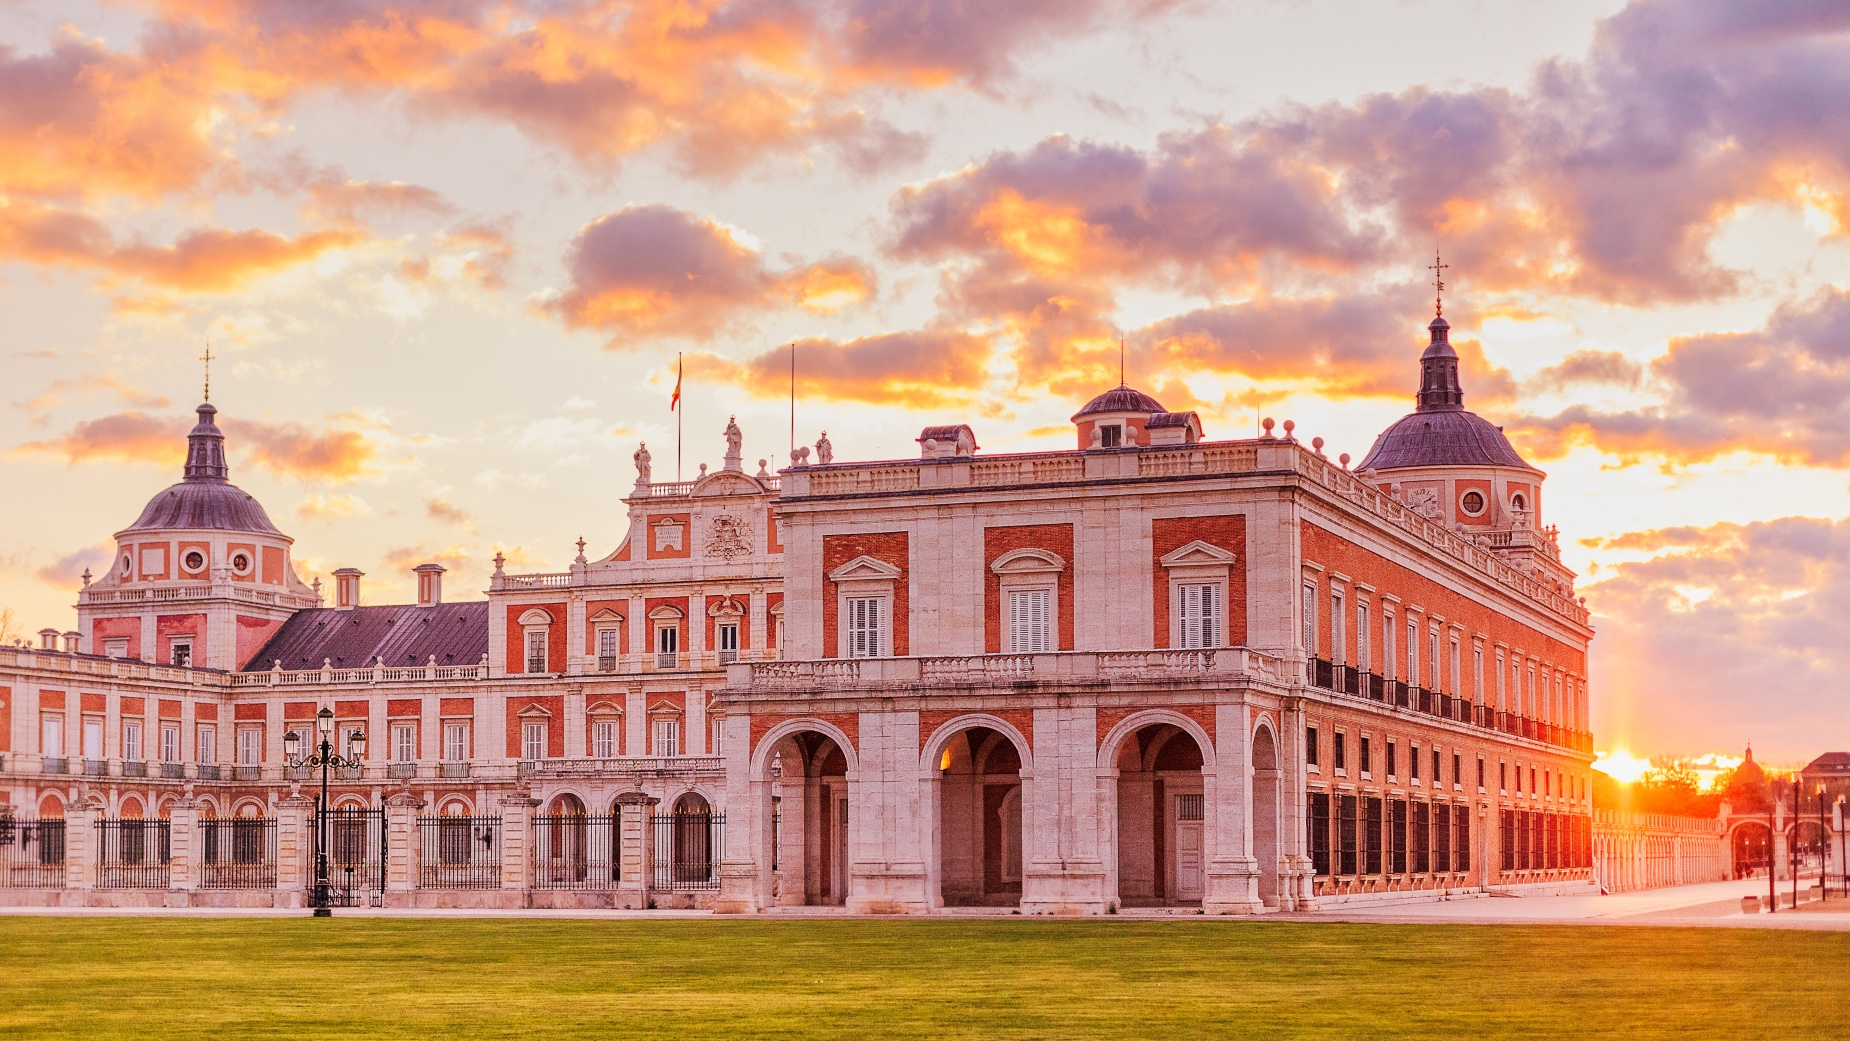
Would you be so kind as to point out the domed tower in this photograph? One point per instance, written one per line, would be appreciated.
(1456, 468)
(1126, 418)
(201, 578)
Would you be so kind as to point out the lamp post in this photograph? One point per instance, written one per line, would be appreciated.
(1772, 895)
(324, 756)
(1824, 850)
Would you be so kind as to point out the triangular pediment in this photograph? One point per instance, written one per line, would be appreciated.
(865, 569)
(1198, 554)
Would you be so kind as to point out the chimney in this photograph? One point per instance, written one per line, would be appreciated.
(430, 584)
(347, 588)
(48, 639)
(71, 642)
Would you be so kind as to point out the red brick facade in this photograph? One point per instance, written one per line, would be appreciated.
(1168, 534)
(890, 547)
(1054, 538)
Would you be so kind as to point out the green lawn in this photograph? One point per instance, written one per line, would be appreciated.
(362, 979)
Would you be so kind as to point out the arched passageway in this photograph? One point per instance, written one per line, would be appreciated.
(1266, 828)
(979, 839)
(1162, 857)
(809, 820)
(1750, 849)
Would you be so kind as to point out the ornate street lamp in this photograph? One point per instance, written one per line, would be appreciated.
(323, 756)
(1824, 849)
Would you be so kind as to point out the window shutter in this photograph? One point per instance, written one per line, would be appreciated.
(1211, 614)
(1030, 621)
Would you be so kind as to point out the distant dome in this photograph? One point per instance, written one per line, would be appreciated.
(1449, 437)
(1121, 399)
(205, 498)
(215, 506)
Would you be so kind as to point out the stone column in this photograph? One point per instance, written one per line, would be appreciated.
(1063, 864)
(186, 850)
(403, 847)
(745, 870)
(887, 818)
(516, 857)
(80, 848)
(636, 851)
(295, 847)
(1232, 875)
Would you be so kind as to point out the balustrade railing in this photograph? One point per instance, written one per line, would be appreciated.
(1344, 679)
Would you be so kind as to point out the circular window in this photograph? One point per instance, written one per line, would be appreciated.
(1472, 503)
(194, 561)
(241, 563)
(127, 565)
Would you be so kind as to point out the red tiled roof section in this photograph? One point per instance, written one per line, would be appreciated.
(401, 634)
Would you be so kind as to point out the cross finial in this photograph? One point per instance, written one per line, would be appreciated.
(1120, 359)
(1437, 267)
(207, 358)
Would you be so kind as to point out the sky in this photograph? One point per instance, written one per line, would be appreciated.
(446, 254)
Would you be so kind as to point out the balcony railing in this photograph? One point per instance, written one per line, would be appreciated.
(1344, 679)
(606, 663)
(1205, 665)
(134, 768)
(96, 768)
(54, 765)
(378, 672)
(173, 771)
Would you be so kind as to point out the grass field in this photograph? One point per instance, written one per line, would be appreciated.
(374, 978)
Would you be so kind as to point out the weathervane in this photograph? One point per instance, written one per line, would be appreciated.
(207, 358)
(1437, 267)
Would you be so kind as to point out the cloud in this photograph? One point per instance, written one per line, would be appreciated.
(332, 507)
(200, 260)
(1730, 633)
(1781, 391)
(658, 271)
(925, 368)
(59, 392)
(348, 202)
(285, 449)
(67, 571)
(439, 509)
(1587, 368)
(932, 43)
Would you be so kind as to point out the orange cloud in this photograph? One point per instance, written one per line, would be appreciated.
(285, 449)
(919, 369)
(438, 508)
(656, 270)
(200, 260)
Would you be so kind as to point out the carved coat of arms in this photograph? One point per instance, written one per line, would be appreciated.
(730, 538)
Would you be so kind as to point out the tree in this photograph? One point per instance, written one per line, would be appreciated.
(9, 627)
(1672, 787)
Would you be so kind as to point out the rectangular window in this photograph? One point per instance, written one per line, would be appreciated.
(715, 728)
(1030, 621)
(668, 647)
(1461, 839)
(1437, 776)
(1345, 832)
(1397, 836)
(1319, 826)
(1413, 653)
(1500, 696)
(667, 738)
(1339, 650)
(533, 741)
(1477, 674)
(1367, 761)
(1362, 660)
(93, 739)
(1110, 435)
(1340, 759)
(131, 741)
(728, 634)
(866, 627)
(170, 743)
(205, 737)
(1309, 608)
(536, 650)
(1201, 616)
(455, 742)
(1480, 773)
(1458, 770)
(404, 743)
(1441, 837)
(1371, 836)
(1531, 780)
(1387, 645)
(1413, 763)
(115, 648)
(1434, 672)
(604, 739)
(182, 653)
(250, 746)
(1503, 778)
(1310, 745)
(1422, 838)
(1457, 661)
(1393, 766)
(607, 649)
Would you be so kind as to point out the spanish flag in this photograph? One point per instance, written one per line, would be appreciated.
(676, 399)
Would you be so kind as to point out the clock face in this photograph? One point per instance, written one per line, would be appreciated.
(1425, 502)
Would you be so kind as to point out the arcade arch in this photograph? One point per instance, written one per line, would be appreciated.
(807, 816)
(978, 835)
(1162, 840)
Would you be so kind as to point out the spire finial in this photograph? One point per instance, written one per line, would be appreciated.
(1121, 360)
(207, 358)
(1437, 267)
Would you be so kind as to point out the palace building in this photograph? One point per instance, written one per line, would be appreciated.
(1154, 670)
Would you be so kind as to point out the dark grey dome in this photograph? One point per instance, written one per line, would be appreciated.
(1441, 437)
(1121, 399)
(212, 505)
(206, 498)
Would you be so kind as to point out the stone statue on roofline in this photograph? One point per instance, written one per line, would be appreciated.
(825, 452)
(642, 465)
(733, 439)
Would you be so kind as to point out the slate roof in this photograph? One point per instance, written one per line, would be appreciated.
(205, 498)
(1829, 762)
(402, 634)
(1121, 399)
(1441, 437)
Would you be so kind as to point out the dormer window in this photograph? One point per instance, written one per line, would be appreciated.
(1111, 436)
(181, 653)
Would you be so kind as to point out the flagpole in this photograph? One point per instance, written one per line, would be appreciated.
(793, 401)
(678, 414)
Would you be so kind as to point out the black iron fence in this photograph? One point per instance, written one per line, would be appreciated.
(238, 853)
(688, 849)
(31, 853)
(575, 852)
(459, 853)
(133, 854)
(356, 856)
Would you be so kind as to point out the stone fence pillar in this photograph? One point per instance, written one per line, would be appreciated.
(635, 849)
(516, 855)
(80, 847)
(295, 847)
(185, 848)
(403, 846)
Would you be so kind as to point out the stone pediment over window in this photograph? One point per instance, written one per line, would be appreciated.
(865, 569)
(1198, 554)
(536, 617)
(727, 608)
(604, 708)
(606, 615)
(665, 709)
(533, 713)
(726, 482)
(1028, 562)
(665, 613)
